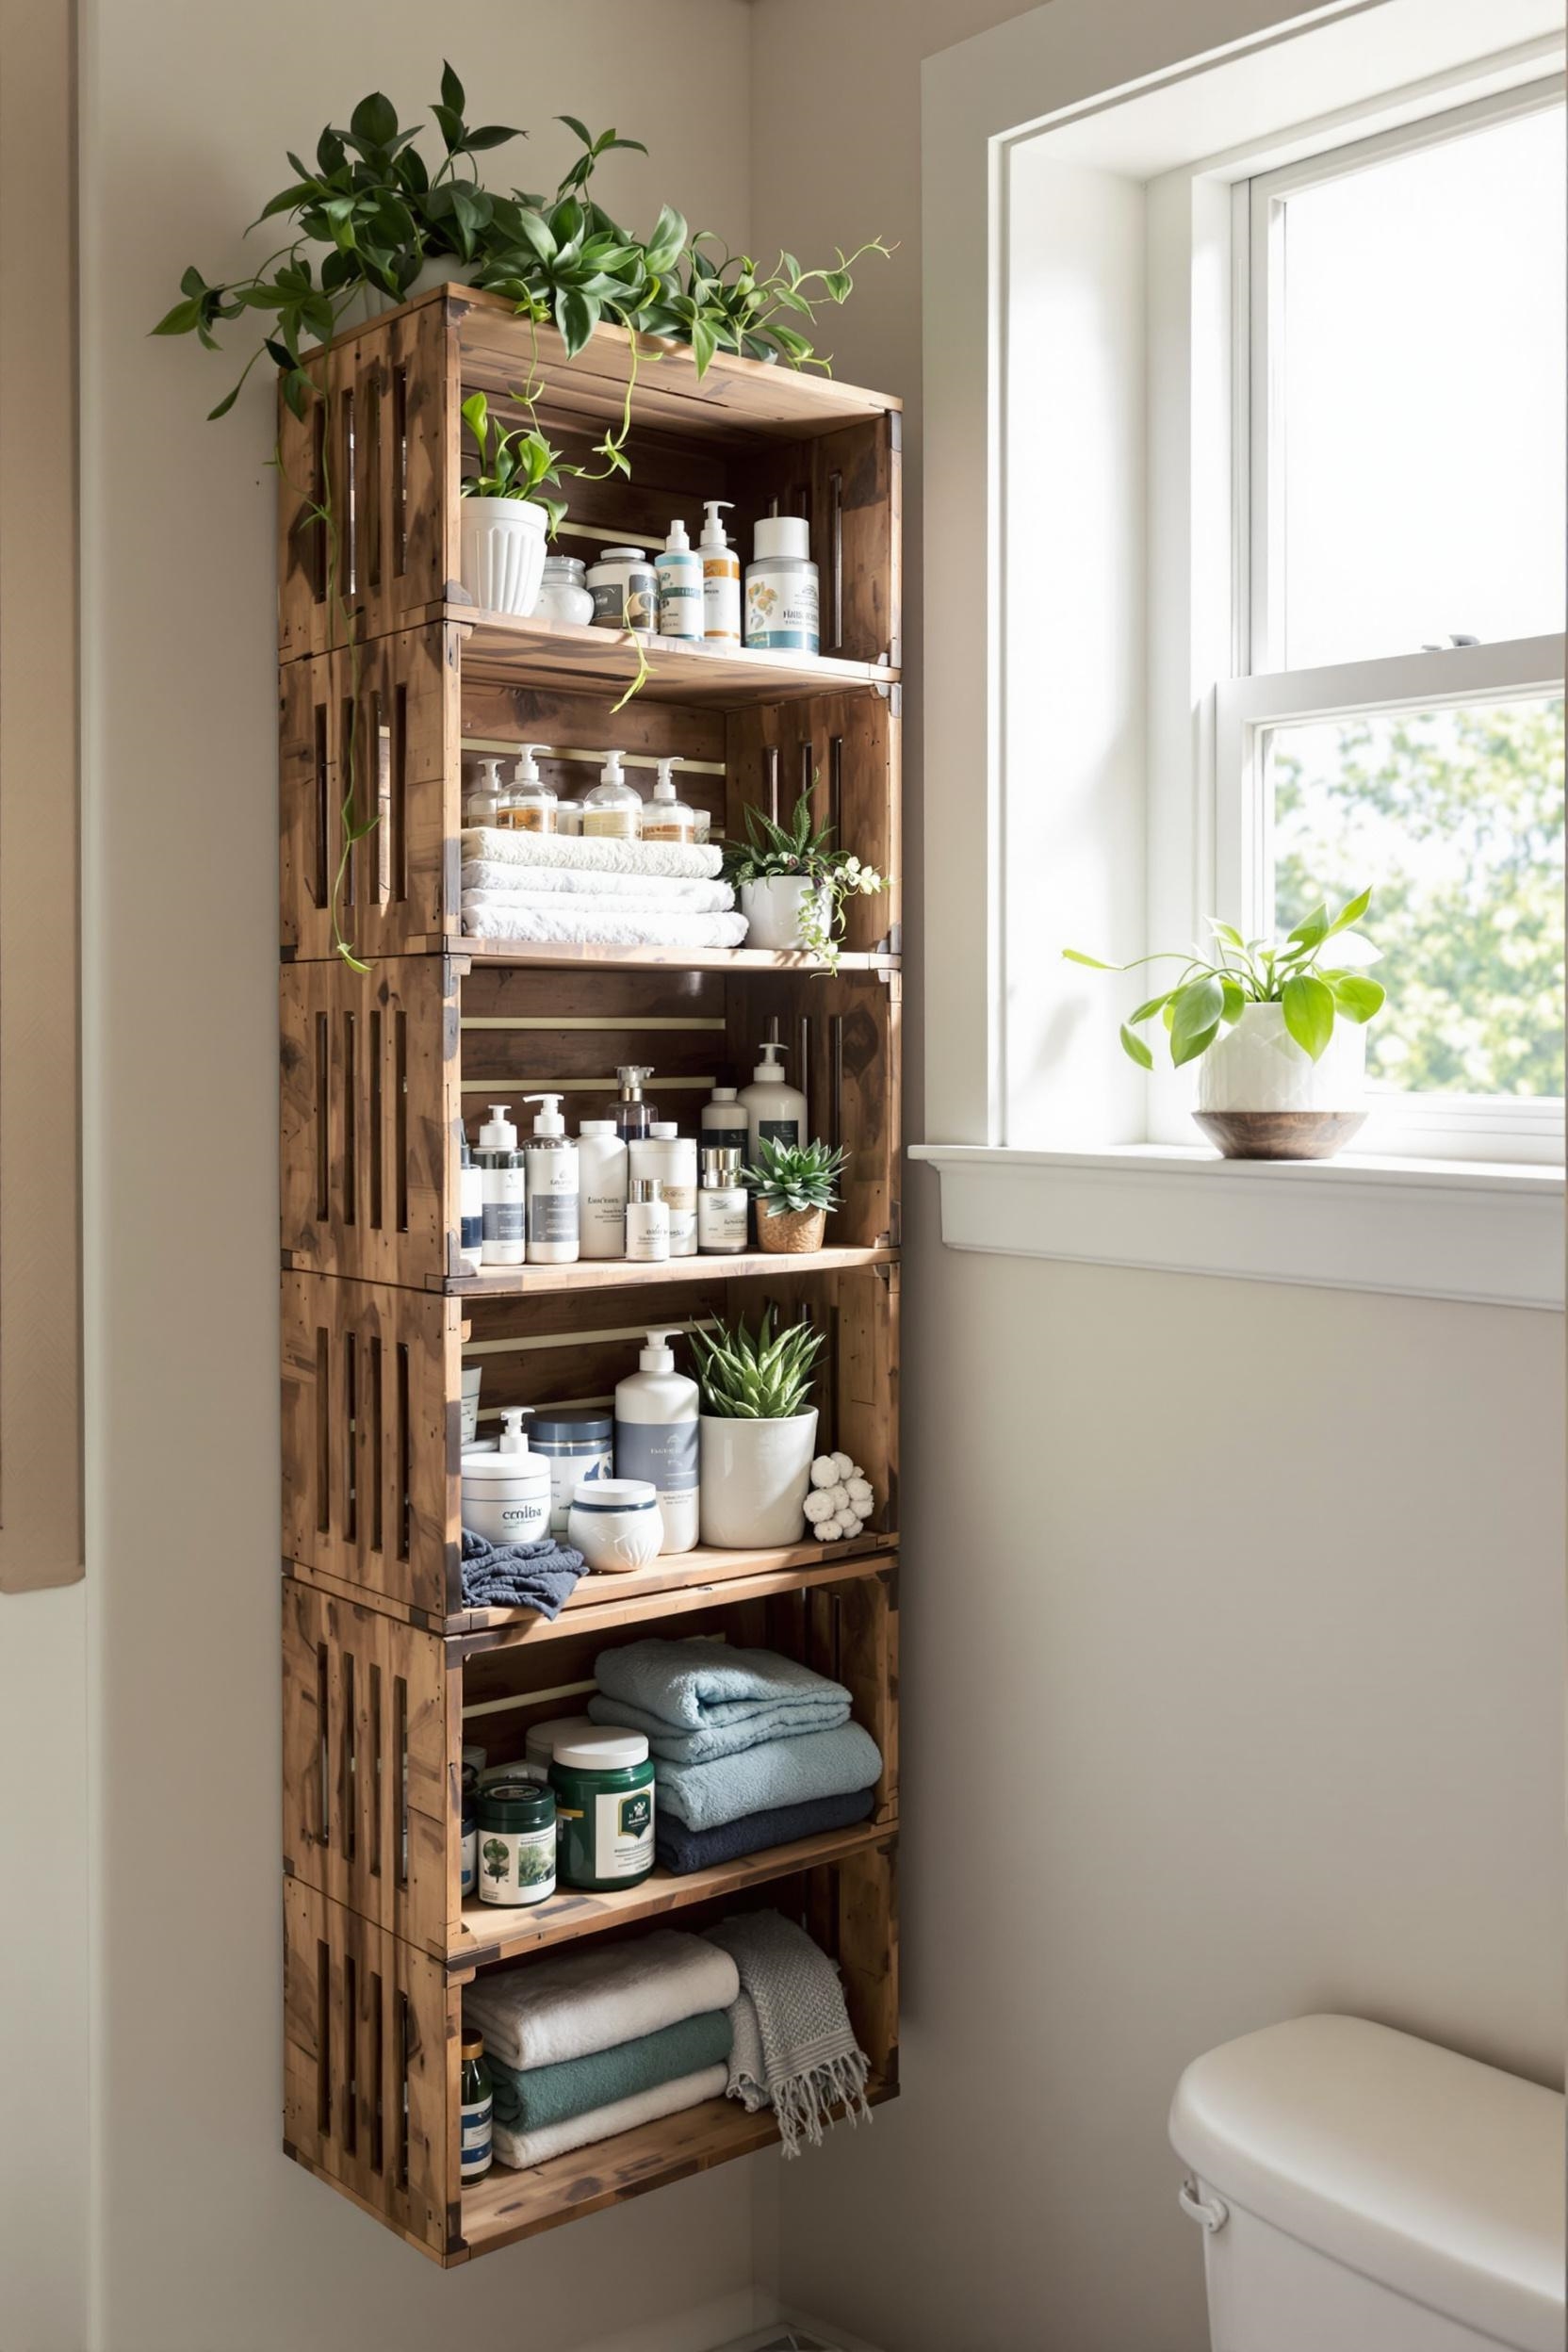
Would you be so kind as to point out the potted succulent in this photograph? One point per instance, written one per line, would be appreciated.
(793, 1184)
(1278, 1032)
(793, 884)
(504, 524)
(757, 1432)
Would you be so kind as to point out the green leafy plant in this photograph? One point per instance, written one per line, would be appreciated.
(733, 305)
(1215, 991)
(760, 1377)
(788, 1176)
(514, 462)
(803, 851)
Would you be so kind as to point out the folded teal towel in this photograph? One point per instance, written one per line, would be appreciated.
(698, 1700)
(779, 1772)
(531, 2099)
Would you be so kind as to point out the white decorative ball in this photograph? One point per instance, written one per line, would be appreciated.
(828, 1530)
(819, 1506)
(860, 1495)
(824, 1471)
(851, 1525)
(842, 1466)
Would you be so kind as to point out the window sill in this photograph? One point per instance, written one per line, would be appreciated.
(1485, 1233)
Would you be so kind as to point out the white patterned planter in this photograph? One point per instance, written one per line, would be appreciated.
(1258, 1066)
(504, 554)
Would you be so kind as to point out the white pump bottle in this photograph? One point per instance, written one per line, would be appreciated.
(613, 806)
(776, 1111)
(665, 817)
(721, 579)
(552, 1186)
(656, 1437)
(679, 569)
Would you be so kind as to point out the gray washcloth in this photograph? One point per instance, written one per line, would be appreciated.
(792, 2047)
(518, 1576)
(698, 1700)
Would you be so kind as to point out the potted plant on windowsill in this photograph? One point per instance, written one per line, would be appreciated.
(793, 1184)
(757, 1432)
(1279, 1034)
(504, 524)
(793, 884)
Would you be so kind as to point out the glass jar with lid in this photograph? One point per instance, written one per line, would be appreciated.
(565, 594)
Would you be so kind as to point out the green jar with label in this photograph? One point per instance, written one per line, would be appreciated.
(517, 1842)
(603, 1783)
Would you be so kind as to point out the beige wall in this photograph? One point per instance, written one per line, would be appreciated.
(1202, 1729)
(208, 2240)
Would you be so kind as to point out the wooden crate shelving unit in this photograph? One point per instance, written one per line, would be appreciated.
(382, 1664)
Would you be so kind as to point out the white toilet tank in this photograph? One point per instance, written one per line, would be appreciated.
(1361, 2191)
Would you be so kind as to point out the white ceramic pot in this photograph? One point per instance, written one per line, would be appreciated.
(772, 910)
(371, 302)
(616, 1524)
(753, 1480)
(1258, 1066)
(503, 553)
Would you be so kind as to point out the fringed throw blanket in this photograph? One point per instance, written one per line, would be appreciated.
(794, 2047)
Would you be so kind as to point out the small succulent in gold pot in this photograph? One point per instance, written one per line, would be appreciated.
(794, 1185)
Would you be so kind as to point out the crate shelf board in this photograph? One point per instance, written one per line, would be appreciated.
(535, 1282)
(743, 1576)
(489, 1932)
(562, 657)
(507, 2205)
(527, 954)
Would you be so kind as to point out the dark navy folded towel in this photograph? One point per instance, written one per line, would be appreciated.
(681, 1850)
(518, 1576)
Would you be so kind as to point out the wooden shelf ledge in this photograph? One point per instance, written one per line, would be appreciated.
(525, 955)
(489, 1932)
(537, 1282)
(562, 657)
(507, 2205)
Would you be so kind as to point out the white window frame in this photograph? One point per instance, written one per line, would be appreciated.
(1263, 691)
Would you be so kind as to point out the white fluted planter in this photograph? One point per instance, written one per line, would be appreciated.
(753, 1480)
(772, 909)
(1261, 1097)
(503, 553)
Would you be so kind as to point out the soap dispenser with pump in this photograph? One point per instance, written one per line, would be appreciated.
(552, 1186)
(721, 579)
(504, 1184)
(656, 1437)
(632, 1115)
(482, 806)
(678, 567)
(532, 803)
(613, 806)
(776, 1111)
(506, 1488)
(665, 817)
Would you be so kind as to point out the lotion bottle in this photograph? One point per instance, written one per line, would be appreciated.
(470, 1197)
(532, 803)
(721, 579)
(501, 1167)
(648, 1222)
(613, 806)
(483, 805)
(601, 1164)
(656, 1437)
(776, 1111)
(665, 817)
(552, 1186)
(722, 1121)
(671, 1159)
(680, 586)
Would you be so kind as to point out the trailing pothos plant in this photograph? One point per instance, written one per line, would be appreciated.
(803, 852)
(1212, 992)
(515, 462)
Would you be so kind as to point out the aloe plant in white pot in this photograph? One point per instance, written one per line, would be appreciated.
(1279, 1034)
(757, 1431)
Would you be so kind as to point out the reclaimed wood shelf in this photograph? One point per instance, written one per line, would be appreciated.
(590, 1274)
(560, 657)
(387, 1673)
(507, 2206)
(486, 1934)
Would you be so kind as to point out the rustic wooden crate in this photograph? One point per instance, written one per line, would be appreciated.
(385, 443)
(374, 1723)
(413, 704)
(373, 1400)
(378, 1067)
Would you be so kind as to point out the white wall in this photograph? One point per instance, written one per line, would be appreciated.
(207, 2237)
(1201, 1728)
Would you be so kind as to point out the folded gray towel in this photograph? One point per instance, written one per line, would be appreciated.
(518, 1576)
(698, 1700)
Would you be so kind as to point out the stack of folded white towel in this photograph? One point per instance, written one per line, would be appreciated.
(596, 889)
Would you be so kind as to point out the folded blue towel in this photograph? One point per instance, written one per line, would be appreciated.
(681, 1850)
(518, 1576)
(779, 1772)
(699, 1700)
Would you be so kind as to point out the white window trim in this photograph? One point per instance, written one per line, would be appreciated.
(1025, 80)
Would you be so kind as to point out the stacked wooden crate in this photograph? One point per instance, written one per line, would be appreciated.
(398, 676)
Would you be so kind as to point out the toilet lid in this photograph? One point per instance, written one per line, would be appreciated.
(1440, 2178)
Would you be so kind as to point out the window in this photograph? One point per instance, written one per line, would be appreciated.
(1396, 713)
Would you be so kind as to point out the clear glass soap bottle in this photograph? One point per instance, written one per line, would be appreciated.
(613, 806)
(534, 805)
(665, 817)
